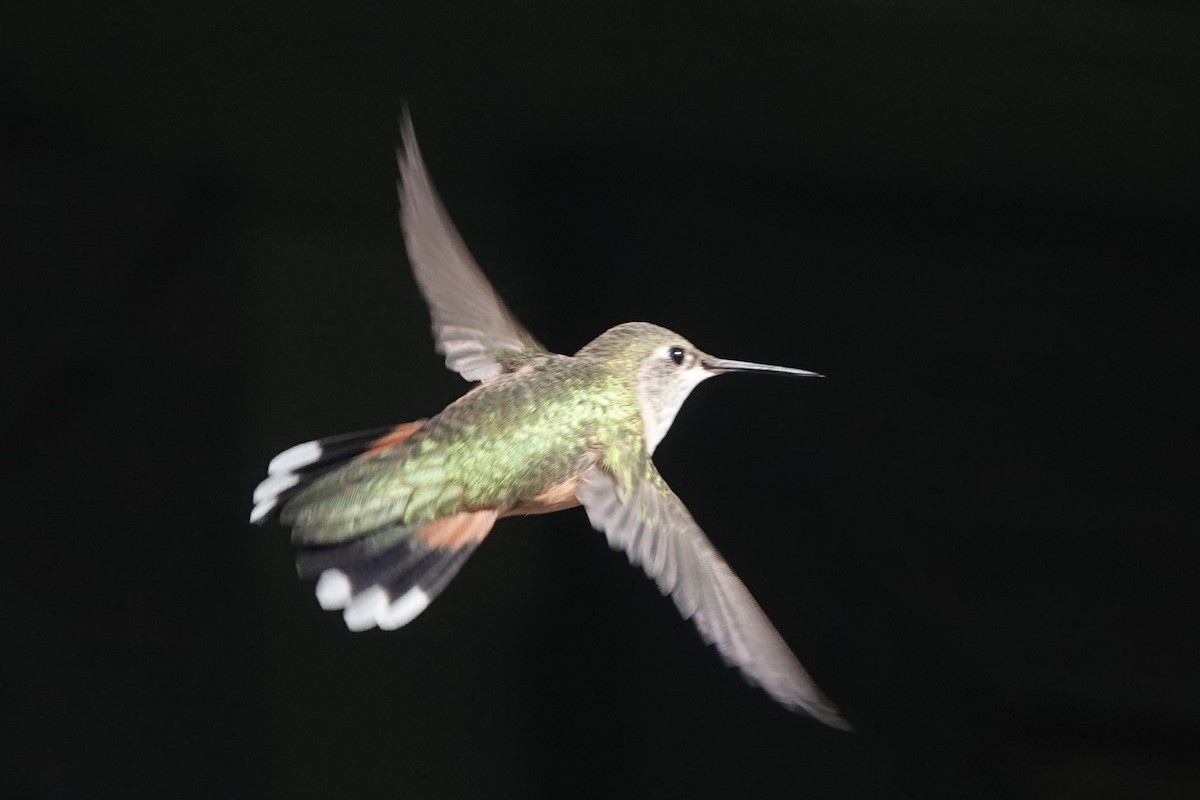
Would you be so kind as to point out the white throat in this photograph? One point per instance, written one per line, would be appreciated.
(660, 403)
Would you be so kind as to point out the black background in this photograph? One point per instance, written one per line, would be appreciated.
(978, 218)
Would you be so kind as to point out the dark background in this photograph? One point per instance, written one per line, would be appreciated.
(978, 218)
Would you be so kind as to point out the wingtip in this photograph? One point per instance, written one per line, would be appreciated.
(407, 149)
(836, 721)
(825, 713)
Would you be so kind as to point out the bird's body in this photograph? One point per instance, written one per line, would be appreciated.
(498, 446)
(385, 518)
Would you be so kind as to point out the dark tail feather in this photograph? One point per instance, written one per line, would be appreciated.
(298, 466)
(384, 579)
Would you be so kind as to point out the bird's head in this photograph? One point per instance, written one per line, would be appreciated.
(663, 368)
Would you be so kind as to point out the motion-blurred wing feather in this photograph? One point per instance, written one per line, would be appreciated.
(654, 528)
(479, 337)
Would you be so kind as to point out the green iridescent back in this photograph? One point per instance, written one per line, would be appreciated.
(503, 442)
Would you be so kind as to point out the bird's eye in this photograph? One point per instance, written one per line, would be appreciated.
(676, 354)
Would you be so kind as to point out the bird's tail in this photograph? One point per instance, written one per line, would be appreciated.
(383, 579)
(378, 578)
(295, 468)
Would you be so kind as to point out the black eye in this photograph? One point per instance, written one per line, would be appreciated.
(676, 354)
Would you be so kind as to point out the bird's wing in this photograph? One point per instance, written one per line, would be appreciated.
(471, 326)
(651, 524)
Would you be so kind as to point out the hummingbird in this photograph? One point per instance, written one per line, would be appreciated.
(385, 518)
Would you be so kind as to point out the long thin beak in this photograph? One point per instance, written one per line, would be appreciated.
(729, 365)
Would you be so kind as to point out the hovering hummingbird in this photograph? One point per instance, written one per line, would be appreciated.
(385, 518)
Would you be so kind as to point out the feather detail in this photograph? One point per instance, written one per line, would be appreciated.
(396, 436)
(298, 466)
(458, 530)
(386, 578)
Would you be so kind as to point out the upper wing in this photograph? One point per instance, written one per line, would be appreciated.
(478, 335)
(654, 528)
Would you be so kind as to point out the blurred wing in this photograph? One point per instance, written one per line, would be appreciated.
(654, 528)
(471, 327)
